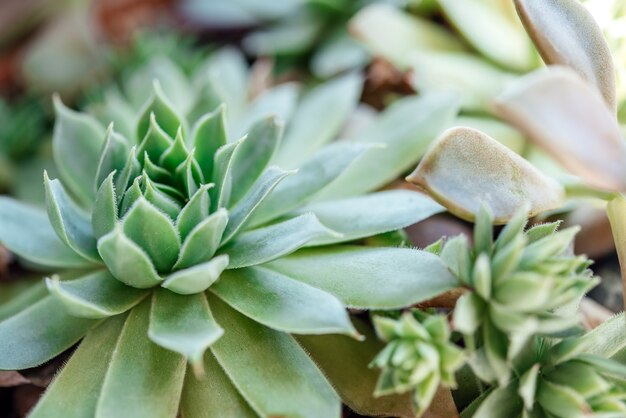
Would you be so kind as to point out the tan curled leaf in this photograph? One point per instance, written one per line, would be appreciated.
(567, 117)
(465, 169)
(566, 33)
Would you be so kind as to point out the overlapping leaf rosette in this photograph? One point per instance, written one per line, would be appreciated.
(181, 241)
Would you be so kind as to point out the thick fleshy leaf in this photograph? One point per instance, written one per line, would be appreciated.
(154, 232)
(175, 154)
(370, 278)
(183, 324)
(313, 176)
(154, 142)
(331, 102)
(159, 199)
(209, 134)
(501, 402)
(164, 113)
(126, 261)
(95, 295)
(373, 214)
(271, 242)
(279, 101)
(254, 155)
(567, 117)
(71, 223)
(566, 33)
(85, 370)
(406, 129)
(202, 242)
(239, 214)
(194, 212)
(21, 295)
(345, 362)
(384, 28)
(113, 155)
(222, 166)
(503, 39)
(128, 173)
(502, 132)
(143, 379)
(26, 231)
(466, 170)
(283, 304)
(213, 396)
(39, 333)
(197, 278)
(616, 211)
(253, 355)
(104, 215)
(76, 145)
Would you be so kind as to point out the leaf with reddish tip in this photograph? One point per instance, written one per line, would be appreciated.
(566, 33)
(568, 118)
(466, 169)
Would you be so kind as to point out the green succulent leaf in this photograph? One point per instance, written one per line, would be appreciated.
(194, 212)
(128, 173)
(239, 214)
(372, 214)
(183, 324)
(332, 103)
(140, 369)
(499, 403)
(159, 199)
(154, 232)
(126, 261)
(204, 240)
(155, 141)
(175, 154)
(213, 396)
(298, 387)
(370, 278)
(283, 304)
(26, 231)
(39, 333)
(197, 278)
(566, 33)
(71, 223)
(94, 295)
(113, 155)
(560, 400)
(85, 370)
(15, 301)
(76, 145)
(163, 111)
(311, 177)
(254, 155)
(209, 134)
(222, 167)
(104, 215)
(271, 242)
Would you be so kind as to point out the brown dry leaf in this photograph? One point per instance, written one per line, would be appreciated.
(566, 33)
(593, 314)
(12, 378)
(568, 118)
(442, 405)
(466, 169)
(382, 80)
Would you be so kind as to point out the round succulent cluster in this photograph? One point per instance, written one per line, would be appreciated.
(177, 239)
(419, 356)
(519, 286)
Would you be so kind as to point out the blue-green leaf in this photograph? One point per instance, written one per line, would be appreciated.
(155, 141)
(26, 231)
(194, 212)
(95, 295)
(164, 113)
(370, 278)
(203, 240)
(76, 146)
(71, 223)
(253, 355)
(104, 213)
(126, 261)
(143, 379)
(222, 166)
(39, 333)
(183, 324)
(283, 304)
(197, 278)
(113, 155)
(271, 242)
(209, 134)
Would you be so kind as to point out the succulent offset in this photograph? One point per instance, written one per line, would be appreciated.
(174, 242)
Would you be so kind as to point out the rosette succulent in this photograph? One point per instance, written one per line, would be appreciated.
(181, 241)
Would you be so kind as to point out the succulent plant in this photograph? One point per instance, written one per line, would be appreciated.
(418, 357)
(181, 240)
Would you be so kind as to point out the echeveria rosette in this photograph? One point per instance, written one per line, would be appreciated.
(181, 239)
(520, 286)
(581, 376)
(418, 357)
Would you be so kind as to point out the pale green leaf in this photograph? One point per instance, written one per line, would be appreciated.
(209, 134)
(94, 295)
(370, 278)
(164, 113)
(202, 242)
(253, 355)
(104, 215)
(194, 212)
(283, 304)
(503, 402)
(197, 278)
(155, 140)
(271, 242)
(39, 333)
(183, 324)
(222, 166)
(113, 155)
(143, 379)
